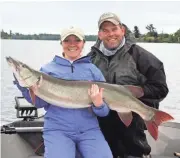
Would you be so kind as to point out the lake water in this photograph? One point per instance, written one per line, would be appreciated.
(37, 53)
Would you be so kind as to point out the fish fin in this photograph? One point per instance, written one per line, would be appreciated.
(135, 90)
(126, 117)
(158, 118)
(34, 88)
(39, 82)
(32, 95)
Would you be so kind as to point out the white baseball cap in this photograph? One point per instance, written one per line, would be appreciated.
(72, 31)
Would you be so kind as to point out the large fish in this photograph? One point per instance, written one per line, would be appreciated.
(74, 94)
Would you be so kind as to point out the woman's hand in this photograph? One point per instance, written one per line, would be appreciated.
(96, 95)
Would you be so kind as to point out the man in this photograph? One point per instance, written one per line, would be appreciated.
(123, 62)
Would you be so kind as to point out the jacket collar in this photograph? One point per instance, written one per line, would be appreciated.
(63, 61)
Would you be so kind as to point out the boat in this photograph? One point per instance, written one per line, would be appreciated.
(23, 138)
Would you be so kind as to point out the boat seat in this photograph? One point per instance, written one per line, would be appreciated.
(38, 123)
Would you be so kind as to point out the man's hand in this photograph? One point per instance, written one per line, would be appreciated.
(96, 95)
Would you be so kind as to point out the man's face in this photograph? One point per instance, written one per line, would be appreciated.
(111, 34)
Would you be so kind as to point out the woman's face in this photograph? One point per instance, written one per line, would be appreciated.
(72, 47)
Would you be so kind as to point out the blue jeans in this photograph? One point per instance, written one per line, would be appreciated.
(90, 144)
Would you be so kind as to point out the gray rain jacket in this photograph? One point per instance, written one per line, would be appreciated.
(131, 65)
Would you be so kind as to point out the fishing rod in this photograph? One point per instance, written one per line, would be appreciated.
(13, 130)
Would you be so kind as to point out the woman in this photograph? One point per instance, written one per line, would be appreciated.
(67, 129)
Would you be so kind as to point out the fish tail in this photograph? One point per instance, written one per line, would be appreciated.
(158, 118)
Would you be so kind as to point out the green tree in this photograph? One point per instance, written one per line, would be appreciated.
(177, 36)
(136, 32)
(4, 35)
(177, 33)
(10, 34)
(150, 28)
(152, 31)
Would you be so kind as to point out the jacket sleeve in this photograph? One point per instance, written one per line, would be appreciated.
(155, 86)
(103, 110)
(39, 103)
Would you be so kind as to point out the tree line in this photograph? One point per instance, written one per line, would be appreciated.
(151, 36)
(11, 35)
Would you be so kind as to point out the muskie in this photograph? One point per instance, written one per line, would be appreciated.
(74, 94)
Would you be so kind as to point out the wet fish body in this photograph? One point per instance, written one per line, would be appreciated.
(74, 94)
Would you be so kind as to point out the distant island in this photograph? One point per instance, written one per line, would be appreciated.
(151, 36)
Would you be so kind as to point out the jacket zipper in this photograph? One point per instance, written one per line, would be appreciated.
(72, 68)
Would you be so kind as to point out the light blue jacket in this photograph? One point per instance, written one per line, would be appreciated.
(71, 120)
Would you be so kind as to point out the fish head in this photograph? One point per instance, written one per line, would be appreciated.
(25, 75)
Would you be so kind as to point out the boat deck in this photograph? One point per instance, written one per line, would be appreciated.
(167, 144)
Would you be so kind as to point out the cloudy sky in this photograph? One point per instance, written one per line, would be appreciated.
(50, 17)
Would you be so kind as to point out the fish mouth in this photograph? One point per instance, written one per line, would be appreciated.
(8, 59)
(13, 62)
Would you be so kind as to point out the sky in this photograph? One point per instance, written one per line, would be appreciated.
(34, 17)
